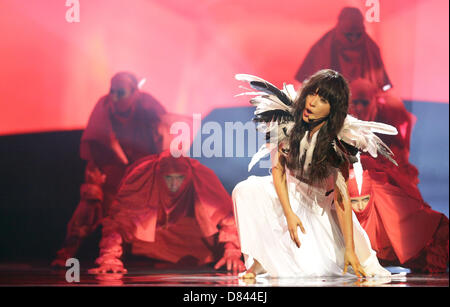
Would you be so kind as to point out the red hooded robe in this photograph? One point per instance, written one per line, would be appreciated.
(167, 225)
(402, 229)
(112, 141)
(358, 59)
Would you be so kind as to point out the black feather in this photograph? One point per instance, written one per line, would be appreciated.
(349, 149)
(346, 152)
(387, 154)
(272, 90)
(279, 116)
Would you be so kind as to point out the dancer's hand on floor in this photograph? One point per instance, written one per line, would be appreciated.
(293, 221)
(108, 268)
(350, 258)
(233, 262)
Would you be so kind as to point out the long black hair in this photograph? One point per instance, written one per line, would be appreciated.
(331, 86)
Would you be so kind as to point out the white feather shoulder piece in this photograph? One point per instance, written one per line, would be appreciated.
(361, 134)
(273, 112)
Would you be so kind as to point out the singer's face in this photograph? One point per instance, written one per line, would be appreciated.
(316, 107)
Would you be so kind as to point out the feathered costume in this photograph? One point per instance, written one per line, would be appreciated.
(261, 222)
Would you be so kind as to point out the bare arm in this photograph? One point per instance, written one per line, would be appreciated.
(344, 214)
(232, 252)
(279, 181)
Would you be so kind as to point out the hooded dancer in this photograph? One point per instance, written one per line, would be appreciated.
(370, 104)
(347, 48)
(402, 229)
(170, 209)
(122, 128)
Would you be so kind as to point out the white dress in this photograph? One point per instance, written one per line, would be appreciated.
(264, 234)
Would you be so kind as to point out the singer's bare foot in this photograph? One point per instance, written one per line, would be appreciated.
(254, 270)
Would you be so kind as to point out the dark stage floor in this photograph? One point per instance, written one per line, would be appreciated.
(40, 274)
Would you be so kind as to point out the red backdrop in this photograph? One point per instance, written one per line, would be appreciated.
(52, 72)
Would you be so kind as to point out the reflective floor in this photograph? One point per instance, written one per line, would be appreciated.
(39, 274)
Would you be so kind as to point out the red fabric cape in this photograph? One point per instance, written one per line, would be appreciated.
(395, 220)
(325, 54)
(135, 209)
(99, 130)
